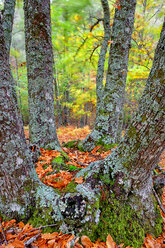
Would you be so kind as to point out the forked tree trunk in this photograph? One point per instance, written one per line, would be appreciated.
(109, 119)
(116, 196)
(39, 57)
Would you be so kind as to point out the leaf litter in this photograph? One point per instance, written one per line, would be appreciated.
(19, 235)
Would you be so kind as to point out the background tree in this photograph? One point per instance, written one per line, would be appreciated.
(125, 176)
(109, 119)
(39, 56)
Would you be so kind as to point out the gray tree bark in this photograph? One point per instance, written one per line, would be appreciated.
(103, 51)
(7, 22)
(109, 119)
(39, 56)
(116, 196)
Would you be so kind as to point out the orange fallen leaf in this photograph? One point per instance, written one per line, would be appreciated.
(10, 236)
(95, 149)
(79, 180)
(49, 235)
(86, 242)
(109, 242)
(21, 225)
(18, 244)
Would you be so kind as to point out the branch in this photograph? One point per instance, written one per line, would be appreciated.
(91, 29)
(31, 240)
(82, 44)
(97, 22)
(158, 200)
(37, 228)
(155, 13)
(95, 48)
(142, 65)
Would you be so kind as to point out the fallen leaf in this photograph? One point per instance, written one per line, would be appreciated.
(86, 242)
(109, 242)
(48, 235)
(18, 244)
(21, 225)
(79, 180)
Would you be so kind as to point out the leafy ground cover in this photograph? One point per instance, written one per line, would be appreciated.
(58, 169)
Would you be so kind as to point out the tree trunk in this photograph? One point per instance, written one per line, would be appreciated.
(17, 83)
(103, 51)
(116, 196)
(14, 155)
(56, 89)
(66, 109)
(7, 22)
(109, 120)
(39, 55)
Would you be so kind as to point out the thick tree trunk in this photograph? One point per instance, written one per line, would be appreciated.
(108, 124)
(127, 201)
(14, 156)
(116, 196)
(39, 57)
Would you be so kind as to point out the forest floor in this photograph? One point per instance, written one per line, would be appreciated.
(19, 235)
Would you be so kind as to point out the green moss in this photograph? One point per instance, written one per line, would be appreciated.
(56, 190)
(132, 132)
(71, 144)
(72, 167)
(105, 147)
(80, 147)
(45, 166)
(57, 160)
(28, 188)
(58, 164)
(71, 187)
(66, 157)
(144, 118)
(44, 219)
(123, 223)
(105, 179)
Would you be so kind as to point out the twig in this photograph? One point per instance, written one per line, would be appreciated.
(158, 200)
(31, 240)
(82, 44)
(95, 48)
(37, 228)
(97, 22)
(3, 233)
